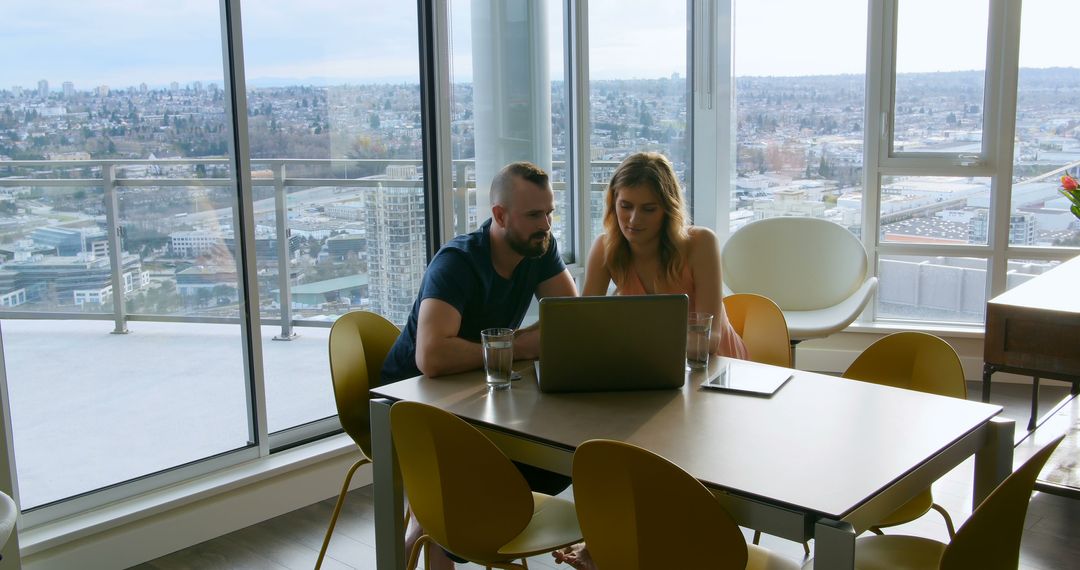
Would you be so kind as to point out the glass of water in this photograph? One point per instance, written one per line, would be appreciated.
(698, 332)
(498, 357)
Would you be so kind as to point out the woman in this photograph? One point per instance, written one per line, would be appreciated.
(648, 246)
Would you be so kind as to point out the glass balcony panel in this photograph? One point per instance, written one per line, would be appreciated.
(938, 95)
(639, 90)
(799, 137)
(1047, 144)
(938, 210)
(56, 257)
(129, 139)
(934, 289)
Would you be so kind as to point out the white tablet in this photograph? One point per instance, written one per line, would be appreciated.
(748, 378)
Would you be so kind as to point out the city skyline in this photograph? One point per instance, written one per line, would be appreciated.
(288, 43)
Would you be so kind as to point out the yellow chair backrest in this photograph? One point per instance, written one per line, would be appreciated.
(762, 326)
(462, 490)
(991, 536)
(359, 342)
(638, 510)
(911, 360)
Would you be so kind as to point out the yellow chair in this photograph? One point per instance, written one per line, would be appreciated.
(762, 326)
(359, 342)
(468, 497)
(914, 361)
(989, 540)
(640, 511)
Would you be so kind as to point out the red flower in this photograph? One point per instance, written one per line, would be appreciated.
(1069, 183)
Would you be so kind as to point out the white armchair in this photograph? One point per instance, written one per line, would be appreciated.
(815, 270)
(8, 514)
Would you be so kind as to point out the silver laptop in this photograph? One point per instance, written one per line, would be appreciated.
(597, 344)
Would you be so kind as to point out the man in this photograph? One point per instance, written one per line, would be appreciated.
(485, 279)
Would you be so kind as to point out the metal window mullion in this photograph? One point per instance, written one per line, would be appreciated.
(711, 110)
(579, 169)
(935, 167)
(232, 45)
(435, 93)
(877, 101)
(80, 504)
(999, 120)
(934, 250)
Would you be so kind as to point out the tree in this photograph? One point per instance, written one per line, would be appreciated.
(824, 170)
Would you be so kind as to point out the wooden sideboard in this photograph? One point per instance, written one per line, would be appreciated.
(1034, 329)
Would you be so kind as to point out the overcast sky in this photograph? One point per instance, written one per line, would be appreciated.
(126, 42)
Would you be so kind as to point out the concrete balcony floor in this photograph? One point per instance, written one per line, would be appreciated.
(90, 408)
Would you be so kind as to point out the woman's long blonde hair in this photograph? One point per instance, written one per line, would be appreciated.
(654, 171)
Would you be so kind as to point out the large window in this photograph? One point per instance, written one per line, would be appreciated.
(508, 103)
(945, 238)
(938, 97)
(119, 216)
(123, 210)
(334, 132)
(1047, 127)
(799, 111)
(639, 91)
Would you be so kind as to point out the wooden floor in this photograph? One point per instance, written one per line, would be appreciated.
(291, 541)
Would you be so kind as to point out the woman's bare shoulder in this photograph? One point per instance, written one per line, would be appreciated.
(697, 234)
(700, 238)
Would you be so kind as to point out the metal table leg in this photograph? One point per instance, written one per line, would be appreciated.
(389, 496)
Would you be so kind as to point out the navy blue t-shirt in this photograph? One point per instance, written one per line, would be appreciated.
(461, 274)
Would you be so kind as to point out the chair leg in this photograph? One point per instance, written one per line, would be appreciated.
(948, 519)
(1034, 404)
(337, 510)
(414, 555)
(794, 343)
(806, 549)
(757, 536)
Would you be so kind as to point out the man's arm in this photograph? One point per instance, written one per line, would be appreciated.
(527, 340)
(439, 350)
(561, 285)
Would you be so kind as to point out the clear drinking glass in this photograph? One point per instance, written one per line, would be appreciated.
(698, 332)
(498, 357)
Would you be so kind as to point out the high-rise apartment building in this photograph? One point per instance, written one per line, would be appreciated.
(396, 253)
(1022, 226)
(69, 90)
(43, 88)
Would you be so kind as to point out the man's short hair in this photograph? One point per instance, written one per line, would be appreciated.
(502, 184)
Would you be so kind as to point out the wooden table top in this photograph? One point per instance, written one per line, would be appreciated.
(821, 444)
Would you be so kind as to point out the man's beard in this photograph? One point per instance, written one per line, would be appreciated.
(529, 247)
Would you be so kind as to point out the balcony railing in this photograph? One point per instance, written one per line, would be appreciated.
(111, 175)
(282, 175)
